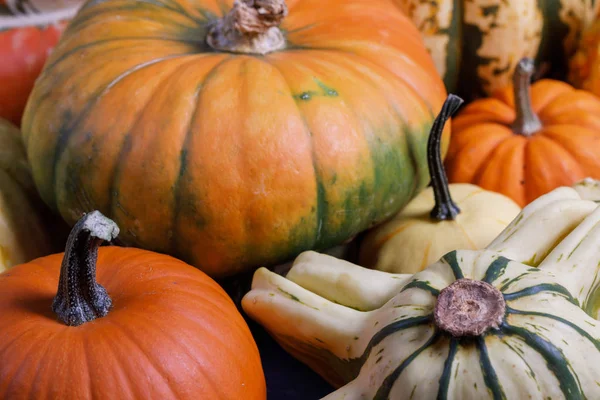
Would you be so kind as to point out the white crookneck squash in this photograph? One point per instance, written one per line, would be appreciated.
(513, 321)
(433, 223)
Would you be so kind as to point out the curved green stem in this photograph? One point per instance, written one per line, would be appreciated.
(445, 208)
(526, 122)
(80, 298)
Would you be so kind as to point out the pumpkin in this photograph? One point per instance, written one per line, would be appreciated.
(433, 224)
(29, 30)
(218, 137)
(495, 323)
(123, 323)
(27, 229)
(476, 44)
(548, 137)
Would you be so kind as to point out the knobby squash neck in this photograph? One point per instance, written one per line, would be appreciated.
(80, 298)
(526, 122)
(445, 208)
(251, 27)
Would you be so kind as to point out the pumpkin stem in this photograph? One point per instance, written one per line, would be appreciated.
(469, 308)
(250, 27)
(80, 298)
(445, 208)
(526, 122)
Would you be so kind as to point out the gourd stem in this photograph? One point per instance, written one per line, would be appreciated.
(251, 27)
(445, 208)
(80, 298)
(469, 308)
(526, 122)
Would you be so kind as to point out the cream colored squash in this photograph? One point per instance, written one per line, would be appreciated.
(441, 218)
(516, 320)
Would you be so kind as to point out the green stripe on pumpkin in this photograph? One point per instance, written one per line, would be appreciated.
(393, 328)
(416, 284)
(447, 372)
(543, 287)
(556, 361)
(452, 262)
(496, 269)
(590, 338)
(388, 383)
(489, 373)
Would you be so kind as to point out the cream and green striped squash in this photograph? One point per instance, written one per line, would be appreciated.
(525, 327)
(476, 44)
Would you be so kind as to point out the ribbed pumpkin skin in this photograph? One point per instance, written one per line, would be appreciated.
(233, 161)
(172, 333)
(476, 44)
(485, 151)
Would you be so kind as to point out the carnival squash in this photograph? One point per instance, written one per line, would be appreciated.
(548, 137)
(29, 30)
(476, 44)
(148, 327)
(218, 137)
(432, 224)
(584, 71)
(27, 229)
(506, 322)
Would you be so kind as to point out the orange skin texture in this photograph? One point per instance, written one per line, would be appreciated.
(248, 194)
(486, 152)
(172, 333)
(23, 52)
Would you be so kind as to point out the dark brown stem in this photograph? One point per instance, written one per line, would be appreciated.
(80, 298)
(469, 308)
(445, 208)
(526, 122)
(250, 27)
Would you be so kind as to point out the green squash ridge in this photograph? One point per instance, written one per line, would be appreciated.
(489, 373)
(556, 361)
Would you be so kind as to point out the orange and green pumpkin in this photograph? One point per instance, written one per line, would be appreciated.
(230, 142)
(476, 44)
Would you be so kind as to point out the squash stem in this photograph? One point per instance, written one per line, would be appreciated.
(445, 208)
(526, 122)
(469, 308)
(251, 27)
(80, 298)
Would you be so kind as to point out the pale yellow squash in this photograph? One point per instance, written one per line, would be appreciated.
(441, 218)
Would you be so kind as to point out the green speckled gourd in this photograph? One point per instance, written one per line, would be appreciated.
(476, 44)
(516, 320)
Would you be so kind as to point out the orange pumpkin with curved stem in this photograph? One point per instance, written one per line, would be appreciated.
(147, 327)
(548, 137)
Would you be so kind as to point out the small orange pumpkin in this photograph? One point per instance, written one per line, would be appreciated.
(548, 137)
(167, 331)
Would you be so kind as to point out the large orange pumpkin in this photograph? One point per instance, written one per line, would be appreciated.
(150, 327)
(231, 142)
(549, 137)
(29, 30)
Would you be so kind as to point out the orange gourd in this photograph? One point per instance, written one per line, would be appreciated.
(149, 327)
(234, 137)
(548, 137)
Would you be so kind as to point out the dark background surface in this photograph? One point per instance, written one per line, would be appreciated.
(287, 378)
